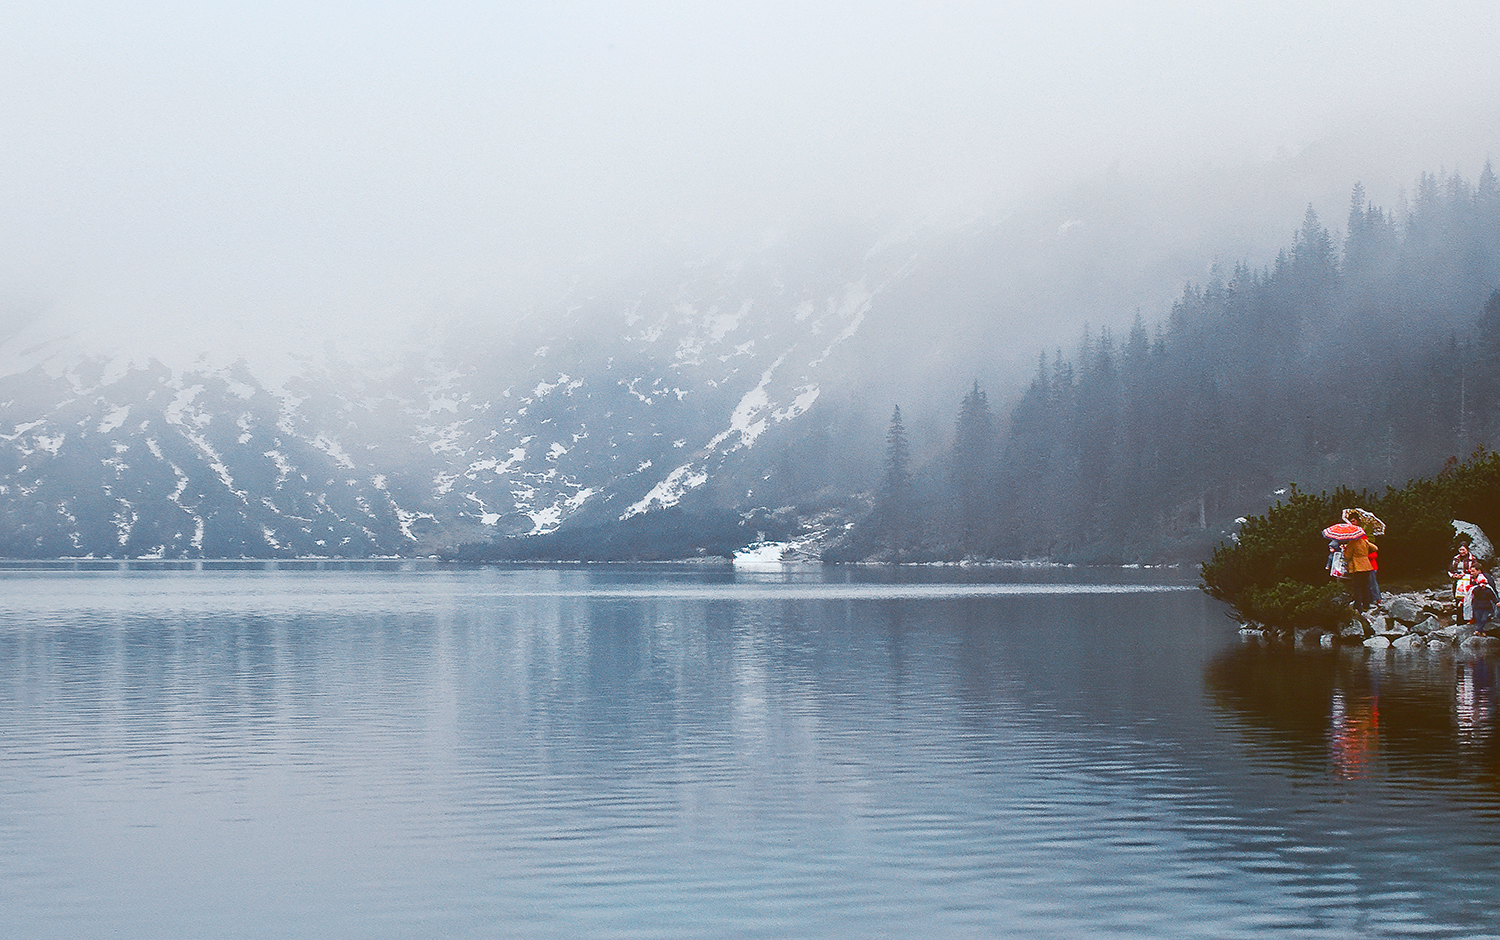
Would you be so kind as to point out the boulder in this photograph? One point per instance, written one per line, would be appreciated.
(1411, 641)
(1404, 609)
(1326, 640)
(1352, 630)
(1426, 625)
(1437, 643)
(1479, 642)
(1378, 643)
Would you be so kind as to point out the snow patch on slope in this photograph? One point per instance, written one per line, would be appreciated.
(668, 492)
(114, 419)
(851, 308)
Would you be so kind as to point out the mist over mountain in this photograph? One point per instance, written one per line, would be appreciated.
(756, 378)
(1355, 360)
(758, 385)
(613, 406)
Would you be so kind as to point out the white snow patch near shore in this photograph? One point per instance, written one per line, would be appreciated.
(764, 557)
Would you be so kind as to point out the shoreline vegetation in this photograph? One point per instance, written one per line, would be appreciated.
(1274, 574)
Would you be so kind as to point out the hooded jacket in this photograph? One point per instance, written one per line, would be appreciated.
(1357, 554)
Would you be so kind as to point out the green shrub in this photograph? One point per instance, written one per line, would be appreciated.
(1275, 571)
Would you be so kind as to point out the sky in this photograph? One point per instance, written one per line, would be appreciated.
(293, 170)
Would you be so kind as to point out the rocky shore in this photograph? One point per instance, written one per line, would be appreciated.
(1413, 620)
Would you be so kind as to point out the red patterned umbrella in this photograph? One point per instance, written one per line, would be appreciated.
(1343, 532)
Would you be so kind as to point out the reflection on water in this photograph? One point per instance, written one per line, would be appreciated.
(1372, 710)
(1473, 704)
(391, 751)
(1352, 733)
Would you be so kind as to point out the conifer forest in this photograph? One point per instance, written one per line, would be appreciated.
(1362, 357)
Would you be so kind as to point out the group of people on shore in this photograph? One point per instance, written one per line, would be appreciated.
(1474, 597)
(1353, 557)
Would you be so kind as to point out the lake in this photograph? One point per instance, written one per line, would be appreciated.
(413, 750)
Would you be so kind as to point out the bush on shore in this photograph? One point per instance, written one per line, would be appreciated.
(1275, 571)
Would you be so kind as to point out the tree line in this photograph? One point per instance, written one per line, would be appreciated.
(1356, 359)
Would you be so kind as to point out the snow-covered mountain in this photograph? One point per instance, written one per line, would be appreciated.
(619, 404)
(761, 380)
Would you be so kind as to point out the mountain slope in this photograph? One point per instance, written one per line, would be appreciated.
(629, 404)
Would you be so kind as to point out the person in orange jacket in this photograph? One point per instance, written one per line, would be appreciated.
(1361, 572)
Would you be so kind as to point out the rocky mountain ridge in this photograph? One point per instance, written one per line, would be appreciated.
(624, 405)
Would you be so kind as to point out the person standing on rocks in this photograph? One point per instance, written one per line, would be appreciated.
(1461, 596)
(1466, 607)
(1460, 562)
(1458, 572)
(1482, 600)
(1361, 573)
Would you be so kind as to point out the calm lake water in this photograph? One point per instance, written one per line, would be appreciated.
(397, 750)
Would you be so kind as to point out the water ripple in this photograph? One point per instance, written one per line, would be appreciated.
(346, 754)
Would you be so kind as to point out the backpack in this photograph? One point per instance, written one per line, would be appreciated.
(1483, 595)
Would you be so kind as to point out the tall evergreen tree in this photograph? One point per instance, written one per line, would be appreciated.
(895, 496)
(973, 469)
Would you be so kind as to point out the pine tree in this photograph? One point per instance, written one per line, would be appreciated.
(895, 496)
(973, 467)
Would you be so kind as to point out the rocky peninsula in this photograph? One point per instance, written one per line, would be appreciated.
(1411, 620)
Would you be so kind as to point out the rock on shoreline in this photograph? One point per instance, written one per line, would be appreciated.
(1412, 620)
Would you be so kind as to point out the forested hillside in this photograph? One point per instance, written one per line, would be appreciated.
(1358, 358)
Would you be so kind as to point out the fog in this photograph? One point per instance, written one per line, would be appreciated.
(184, 174)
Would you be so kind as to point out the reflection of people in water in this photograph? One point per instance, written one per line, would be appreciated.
(1473, 700)
(1353, 730)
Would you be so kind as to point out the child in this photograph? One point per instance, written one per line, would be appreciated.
(1481, 600)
